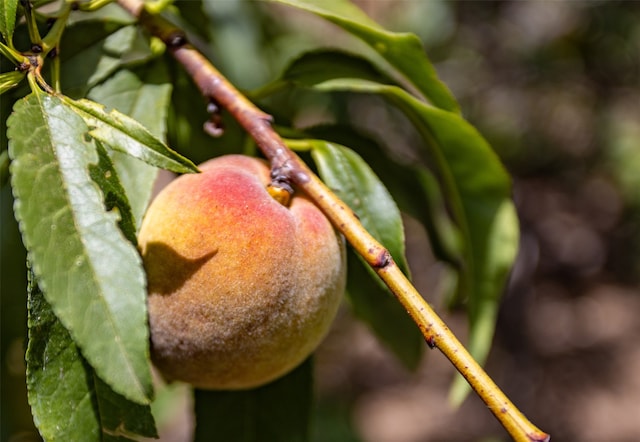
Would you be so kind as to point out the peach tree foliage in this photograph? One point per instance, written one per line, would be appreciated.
(90, 126)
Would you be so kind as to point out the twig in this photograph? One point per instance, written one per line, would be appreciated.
(286, 163)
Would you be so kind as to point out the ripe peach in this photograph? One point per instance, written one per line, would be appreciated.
(241, 288)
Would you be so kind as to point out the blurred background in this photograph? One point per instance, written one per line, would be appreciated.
(555, 89)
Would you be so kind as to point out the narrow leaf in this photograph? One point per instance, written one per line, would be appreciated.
(477, 189)
(9, 80)
(121, 419)
(90, 274)
(279, 411)
(68, 401)
(124, 134)
(59, 381)
(145, 96)
(354, 182)
(413, 187)
(346, 173)
(321, 65)
(106, 46)
(8, 10)
(403, 51)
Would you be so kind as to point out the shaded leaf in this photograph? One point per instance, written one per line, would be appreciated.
(477, 190)
(108, 13)
(323, 64)
(106, 177)
(376, 306)
(124, 134)
(279, 411)
(105, 46)
(121, 419)
(4, 168)
(8, 10)
(9, 80)
(403, 51)
(145, 97)
(59, 381)
(90, 274)
(84, 61)
(68, 401)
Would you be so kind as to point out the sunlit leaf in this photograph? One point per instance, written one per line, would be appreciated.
(68, 401)
(9, 80)
(412, 186)
(349, 177)
(124, 134)
(279, 411)
(354, 182)
(8, 10)
(477, 189)
(403, 51)
(88, 271)
(145, 96)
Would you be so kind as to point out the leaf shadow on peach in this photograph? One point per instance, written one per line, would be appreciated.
(167, 270)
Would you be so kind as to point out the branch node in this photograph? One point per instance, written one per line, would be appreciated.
(431, 342)
(214, 126)
(176, 40)
(381, 260)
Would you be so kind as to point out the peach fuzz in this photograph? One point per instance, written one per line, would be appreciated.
(241, 288)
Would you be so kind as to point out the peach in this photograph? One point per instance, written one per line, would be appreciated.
(241, 288)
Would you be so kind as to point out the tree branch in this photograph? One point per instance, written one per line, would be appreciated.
(284, 162)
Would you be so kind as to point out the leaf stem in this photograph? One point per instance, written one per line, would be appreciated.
(258, 124)
(16, 57)
(93, 5)
(52, 39)
(32, 25)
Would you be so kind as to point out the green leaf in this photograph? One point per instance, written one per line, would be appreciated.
(68, 401)
(90, 274)
(106, 177)
(279, 411)
(4, 168)
(403, 51)
(9, 80)
(354, 182)
(95, 49)
(478, 191)
(124, 134)
(84, 60)
(8, 10)
(59, 381)
(321, 65)
(145, 96)
(412, 186)
(120, 418)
